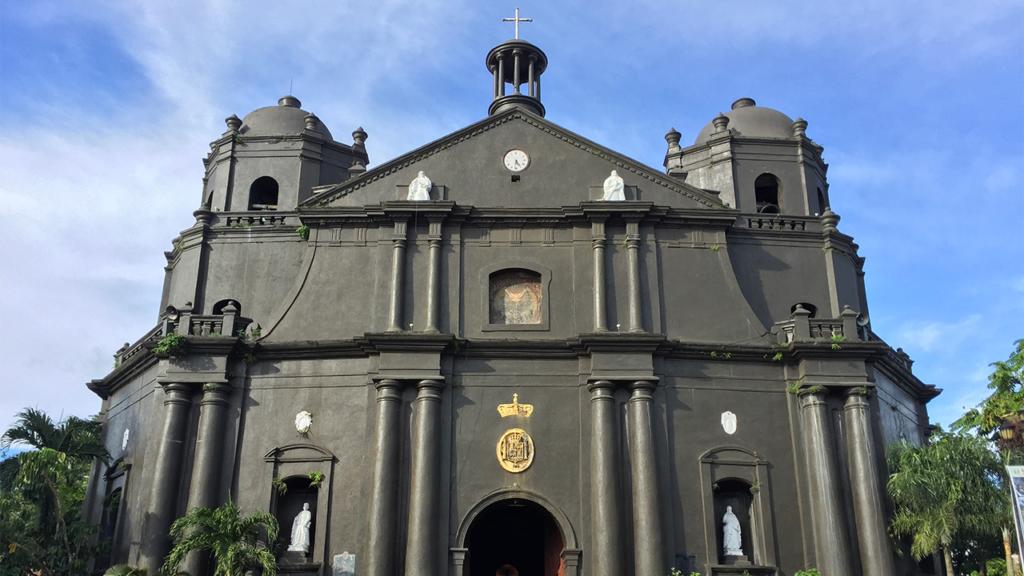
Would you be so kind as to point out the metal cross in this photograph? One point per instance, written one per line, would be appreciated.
(517, 20)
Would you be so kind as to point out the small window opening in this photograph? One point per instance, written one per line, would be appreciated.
(515, 177)
(807, 306)
(515, 297)
(821, 202)
(263, 194)
(218, 308)
(766, 194)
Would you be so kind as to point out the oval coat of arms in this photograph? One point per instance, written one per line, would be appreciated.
(515, 450)
(729, 422)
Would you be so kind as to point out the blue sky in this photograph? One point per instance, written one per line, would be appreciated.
(107, 109)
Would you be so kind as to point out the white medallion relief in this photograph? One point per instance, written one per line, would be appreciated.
(729, 422)
(303, 420)
(124, 439)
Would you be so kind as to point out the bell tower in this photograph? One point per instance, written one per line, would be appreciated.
(516, 66)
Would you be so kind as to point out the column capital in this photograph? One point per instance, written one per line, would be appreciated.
(858, 392)
(216, 394)
(389, 390)
(642, 390)
(177, 393)
(429, 390)
(599, 386)
(813, 396)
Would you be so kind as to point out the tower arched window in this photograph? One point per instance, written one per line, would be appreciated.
(263, 194)
(767, 194)
(821, 202)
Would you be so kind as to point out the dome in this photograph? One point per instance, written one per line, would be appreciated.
(284, 119)
(749, 120)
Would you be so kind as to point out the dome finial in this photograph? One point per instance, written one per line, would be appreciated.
(800, 128)
(743, 103)
(721, 123)
(290, 101)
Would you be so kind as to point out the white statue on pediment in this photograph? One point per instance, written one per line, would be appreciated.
(419, 188)
(614, 188)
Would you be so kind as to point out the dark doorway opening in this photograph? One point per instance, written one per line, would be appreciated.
(514, 537)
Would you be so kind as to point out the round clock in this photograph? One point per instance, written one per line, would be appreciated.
(516, 160)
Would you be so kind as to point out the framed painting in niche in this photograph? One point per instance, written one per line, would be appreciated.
(515, 297)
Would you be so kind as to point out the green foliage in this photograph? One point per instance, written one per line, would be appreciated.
(171, 345)
(944, 490)
(250, 359)
(315, 479)
(232, 540)
(814, 389)
(41, 496)
(303, 232)
(811, 572)
(1007, 396)
(282, 487)
(777, 357)
(211, 387)
(715, 247)
(126, 570)
(676, 572)
(794, 388)
(836, 339)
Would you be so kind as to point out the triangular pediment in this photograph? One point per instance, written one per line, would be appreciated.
(468, 167)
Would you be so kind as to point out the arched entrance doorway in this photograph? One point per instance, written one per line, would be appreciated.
(514, 537)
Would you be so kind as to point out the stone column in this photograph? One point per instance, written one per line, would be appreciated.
(434, 277)
(875, 552)
(633, 259)
(397, 276)
(382, 517)
(600, 305)
(163, 497)
(209, 459)
(648, 541)
(422, 551)
(832, 542)
(605, 515)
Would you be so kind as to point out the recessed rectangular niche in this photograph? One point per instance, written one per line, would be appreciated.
(516, 297)
(289, 505)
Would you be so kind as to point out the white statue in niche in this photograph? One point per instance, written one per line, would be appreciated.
(300, 530)
(613, 188)
(419, 188)
(732, 534)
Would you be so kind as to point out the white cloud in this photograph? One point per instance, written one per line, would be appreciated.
(938, 335)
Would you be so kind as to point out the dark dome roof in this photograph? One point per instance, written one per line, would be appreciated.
(284, 119)
(747, 119)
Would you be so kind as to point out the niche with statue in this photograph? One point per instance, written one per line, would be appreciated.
(296, 515)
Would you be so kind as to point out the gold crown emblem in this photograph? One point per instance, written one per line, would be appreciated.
(515, 408)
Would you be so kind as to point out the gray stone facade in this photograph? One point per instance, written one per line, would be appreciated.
(309, 283)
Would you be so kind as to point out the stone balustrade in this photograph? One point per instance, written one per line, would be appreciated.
(802, 328)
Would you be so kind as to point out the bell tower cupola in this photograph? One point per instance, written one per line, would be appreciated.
(759, 160)
(516, 66)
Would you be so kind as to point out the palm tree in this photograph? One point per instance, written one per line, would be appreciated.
(232, 540)
(76, 437)
(126, 570)
(944, 490)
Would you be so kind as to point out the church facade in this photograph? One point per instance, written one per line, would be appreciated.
(514, 351)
